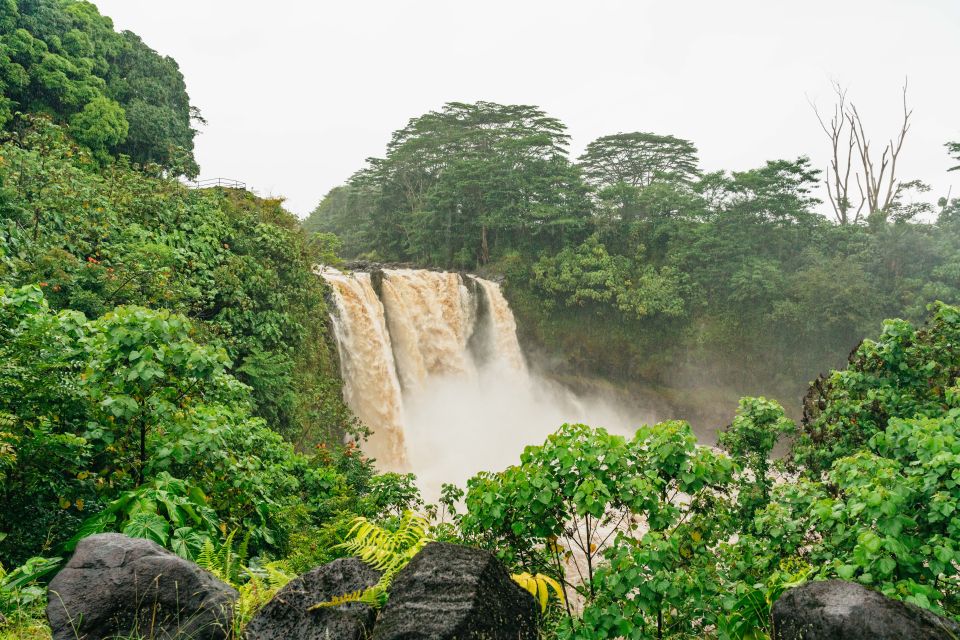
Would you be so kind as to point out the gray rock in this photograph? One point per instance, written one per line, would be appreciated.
(287, 616)
(838, 610)
(450, 592)
(117, 585)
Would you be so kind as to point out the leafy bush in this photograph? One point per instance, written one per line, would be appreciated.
(757, 427)
(905, 373)
(22, 599)
(889, 515)
(614, 503)
(166, 511)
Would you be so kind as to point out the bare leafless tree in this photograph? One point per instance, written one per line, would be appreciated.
(841, 161)
(851, 156)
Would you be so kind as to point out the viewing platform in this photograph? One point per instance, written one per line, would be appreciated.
(225, 183)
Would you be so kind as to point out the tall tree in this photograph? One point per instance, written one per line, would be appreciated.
(461, 184)
(152, 91)
(620, 166)
(639, 159)
(63, 59)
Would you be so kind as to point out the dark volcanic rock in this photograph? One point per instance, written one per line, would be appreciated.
(287, 616)
(116, 585)
(449, 592)
(838, 610)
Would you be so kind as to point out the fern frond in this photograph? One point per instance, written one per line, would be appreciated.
(262, 584)
(227, 557)
(277, 575)
(208, 556)
(243, 550)
(384, 550)
(336, 601)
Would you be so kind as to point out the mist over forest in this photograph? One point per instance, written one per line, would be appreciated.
(488, 389)
(632, 265)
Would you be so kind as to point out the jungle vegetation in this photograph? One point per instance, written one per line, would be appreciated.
(166, 368)
(633, 264)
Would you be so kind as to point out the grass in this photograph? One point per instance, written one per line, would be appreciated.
(25, 625)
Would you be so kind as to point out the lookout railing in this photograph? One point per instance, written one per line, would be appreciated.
(227, 183)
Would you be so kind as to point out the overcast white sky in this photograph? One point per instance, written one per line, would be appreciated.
(299, 93)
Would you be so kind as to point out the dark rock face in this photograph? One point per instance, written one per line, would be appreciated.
(838, 610)
(449, 592)
(116, 585)
(287, 616)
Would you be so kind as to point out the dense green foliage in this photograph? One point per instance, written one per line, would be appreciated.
(165, 355)
(166, 369)
(664, 539)
(116, 95)
(634, 265)
(239, 265)
(907, 372)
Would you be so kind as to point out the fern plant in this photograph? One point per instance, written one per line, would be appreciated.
(385, 550)
(261, 585)
(255, 586)
(224, 562)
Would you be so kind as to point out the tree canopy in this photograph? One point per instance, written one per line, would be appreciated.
(639, 159)
(632, 263)
(463, 184)
(63, 59)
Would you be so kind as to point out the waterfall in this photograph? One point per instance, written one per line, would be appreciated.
(505, 347)
(431, 363)
(431, 317)
(371, 387)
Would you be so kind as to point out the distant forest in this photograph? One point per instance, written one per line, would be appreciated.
(635, 265)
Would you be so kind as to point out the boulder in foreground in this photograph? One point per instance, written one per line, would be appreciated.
(451, 592)
(287, 615)
(115, 585)
(838, 610)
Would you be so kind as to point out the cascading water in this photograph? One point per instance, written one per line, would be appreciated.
(371, 388)
(433, 366)
(505, 346)
(431, 317)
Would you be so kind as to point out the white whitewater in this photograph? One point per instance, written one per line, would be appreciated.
(433, 366)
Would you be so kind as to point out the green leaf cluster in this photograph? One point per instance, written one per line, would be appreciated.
(118, 96)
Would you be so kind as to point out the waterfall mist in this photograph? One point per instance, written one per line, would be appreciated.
(458, 427)
(431, 364)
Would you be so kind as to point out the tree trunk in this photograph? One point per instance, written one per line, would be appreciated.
(484, 247)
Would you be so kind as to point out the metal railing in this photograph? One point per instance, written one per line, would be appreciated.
(226, 183)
